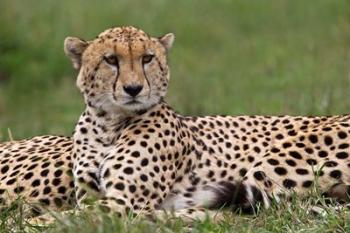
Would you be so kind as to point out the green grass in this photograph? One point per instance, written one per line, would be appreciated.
(230, 57)
(293, 216)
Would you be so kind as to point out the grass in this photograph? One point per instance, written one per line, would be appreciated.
(293, 216)
(230, 57)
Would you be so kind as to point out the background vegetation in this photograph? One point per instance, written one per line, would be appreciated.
(230, 57)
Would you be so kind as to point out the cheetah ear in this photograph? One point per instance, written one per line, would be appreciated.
(74, 49)
(167, 40)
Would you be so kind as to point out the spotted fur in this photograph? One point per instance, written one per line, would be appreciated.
(39, 169)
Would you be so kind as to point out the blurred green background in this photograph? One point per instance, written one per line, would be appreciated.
(230, 57)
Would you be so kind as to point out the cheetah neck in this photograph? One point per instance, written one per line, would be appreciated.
(101, 129)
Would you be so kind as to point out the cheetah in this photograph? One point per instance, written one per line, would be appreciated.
(137, 154)
(133, 152)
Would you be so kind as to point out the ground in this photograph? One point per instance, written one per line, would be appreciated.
(285, 57)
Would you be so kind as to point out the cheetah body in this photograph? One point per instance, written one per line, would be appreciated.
(38, 169)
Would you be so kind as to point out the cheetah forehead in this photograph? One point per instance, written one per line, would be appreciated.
(125, 34)
(126, 41)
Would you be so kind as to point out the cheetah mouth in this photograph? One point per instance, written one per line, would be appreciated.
(132, 102)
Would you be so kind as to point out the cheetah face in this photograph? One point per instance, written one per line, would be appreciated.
(122, 69)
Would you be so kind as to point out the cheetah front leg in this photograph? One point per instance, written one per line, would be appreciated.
(133, 184)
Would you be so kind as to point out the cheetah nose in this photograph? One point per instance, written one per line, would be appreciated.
(133, 90)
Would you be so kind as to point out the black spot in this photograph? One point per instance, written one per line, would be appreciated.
(120, 202)
(45, 201)
(106, 174)
(58, 173)
(242, 172)
(47, 190)
(19, 189)
(210, 174)
(143, 144)
(336, 174)
(330, 164)
(342, 134)
(273, 162)
(301, 171)
(250, 159)
(58, 202)
(288, 183)
(342, 155)
(313, 138)
(328, 140)
(307, 183)
(62, 189)
(291, 162)
(59, 164)
(44, 165)
(44, 173)
(128, 170)
(309, 150)
(292, 133)
(117, 166)
(56, 181)
(137, 131)
(223, 174)
(28, 175)
(275, 150)
(295, 154)
(259, 175)
(34, 193)
(280, 171)
(11, 181)
(83, 130)
(132, 188)
(4, 169)
(36, 183)
(311, 161)
(143, 177)
(22, 158)
(322, 154)
(256, 149)
(144, 162)
(119, 186)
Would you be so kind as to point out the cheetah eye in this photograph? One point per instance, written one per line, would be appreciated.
(147, 59)
(111, 60)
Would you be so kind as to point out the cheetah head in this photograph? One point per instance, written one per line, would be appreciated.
(123, 69)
